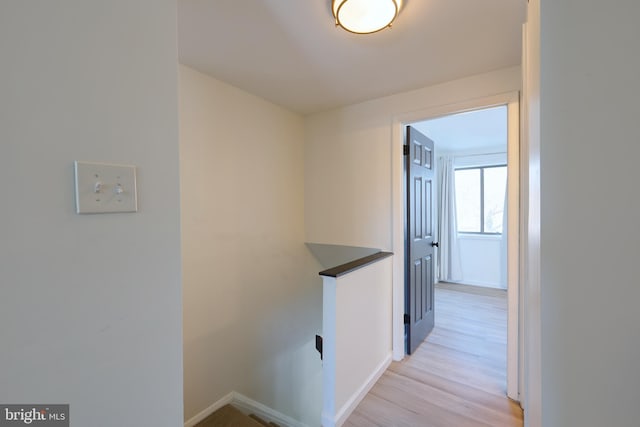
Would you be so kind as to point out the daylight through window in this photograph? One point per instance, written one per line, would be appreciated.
(480, 193)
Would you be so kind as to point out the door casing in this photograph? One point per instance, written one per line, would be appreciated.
(511, 100)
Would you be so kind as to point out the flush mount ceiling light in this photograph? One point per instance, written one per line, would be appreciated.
(365, 16)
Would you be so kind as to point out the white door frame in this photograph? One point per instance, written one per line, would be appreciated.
(511, 99)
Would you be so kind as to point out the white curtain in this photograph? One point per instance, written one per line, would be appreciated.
(449, 268)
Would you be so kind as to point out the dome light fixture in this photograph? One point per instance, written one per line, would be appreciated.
(365, 16)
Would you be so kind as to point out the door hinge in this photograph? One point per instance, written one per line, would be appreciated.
(407, 319)
(405, 150)
(319, 345)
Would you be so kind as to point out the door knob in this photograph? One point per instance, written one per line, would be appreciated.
(436, 244)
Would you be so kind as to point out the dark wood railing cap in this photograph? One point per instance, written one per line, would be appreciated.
(350, 266)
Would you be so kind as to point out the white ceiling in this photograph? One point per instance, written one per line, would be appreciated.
(290, 53)
(473, 131)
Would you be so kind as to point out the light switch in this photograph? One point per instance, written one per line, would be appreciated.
(105, 188)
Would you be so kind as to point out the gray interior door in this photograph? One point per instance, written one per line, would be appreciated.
(419, 271)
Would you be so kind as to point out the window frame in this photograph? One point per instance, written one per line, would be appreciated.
(481, 168)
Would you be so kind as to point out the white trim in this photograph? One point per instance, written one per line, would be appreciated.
(479, 283)
(513, 246)
(524, 219)
(209, 410)
(479, 236)
(247, 406)
(531, 309)
(356, 398)
(328, 346)
(511, 99)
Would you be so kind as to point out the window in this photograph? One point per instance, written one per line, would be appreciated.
(480, 199)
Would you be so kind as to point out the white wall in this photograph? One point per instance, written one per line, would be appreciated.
(90, 306)
(353, 164)
(480, 261)
(252, 294)
(348, 159)
(589, 213)
(356, 332)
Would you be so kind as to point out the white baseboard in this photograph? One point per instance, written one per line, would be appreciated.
(480, 283)
(248, 406)
(209, 410)
(346, 410)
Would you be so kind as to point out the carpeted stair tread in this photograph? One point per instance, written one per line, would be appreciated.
(258, 419)
(263, 422)
(228, 416)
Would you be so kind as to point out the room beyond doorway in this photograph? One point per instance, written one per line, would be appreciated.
(470, 207)
(511, 100)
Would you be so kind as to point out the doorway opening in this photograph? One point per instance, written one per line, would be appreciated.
(470, 209)
(487, 231)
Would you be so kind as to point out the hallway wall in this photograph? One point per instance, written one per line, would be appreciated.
(90, 307)
(252, 294)
(589, 110)
(348, 159)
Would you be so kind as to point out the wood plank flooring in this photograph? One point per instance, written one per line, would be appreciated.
(457, 377)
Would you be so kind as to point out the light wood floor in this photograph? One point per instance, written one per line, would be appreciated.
(457, 377)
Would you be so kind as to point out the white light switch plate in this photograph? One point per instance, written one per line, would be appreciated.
(105, 188)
